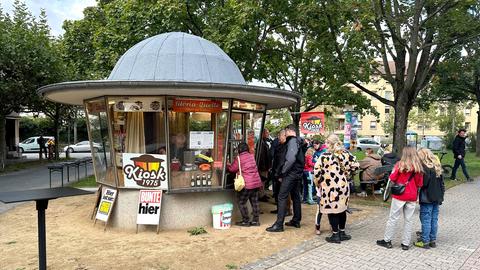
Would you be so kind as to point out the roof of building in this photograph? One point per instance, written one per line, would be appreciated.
(177, 57)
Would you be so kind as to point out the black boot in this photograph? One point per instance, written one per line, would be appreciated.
(344, 236)
(335, 238)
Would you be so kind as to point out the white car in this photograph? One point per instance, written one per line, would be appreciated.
(83, 146)
(31, 145)
(364, 143)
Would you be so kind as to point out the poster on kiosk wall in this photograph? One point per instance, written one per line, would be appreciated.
(145, 171)
(149, 205)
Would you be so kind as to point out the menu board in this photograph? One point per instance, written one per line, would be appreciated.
(201, 139)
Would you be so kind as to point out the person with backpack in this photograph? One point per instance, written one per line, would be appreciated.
(245, 163)
(290, 178)
(331, 173)
(407, 173)
(431, 196)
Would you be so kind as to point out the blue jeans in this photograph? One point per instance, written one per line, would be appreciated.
(429, 219)
(307, 187)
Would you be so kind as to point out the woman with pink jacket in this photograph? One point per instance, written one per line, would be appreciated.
(252, 185)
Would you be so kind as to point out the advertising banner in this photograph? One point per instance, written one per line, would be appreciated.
(347, 130)
(149, 205)
(139, 104)
(145, 171)
(194, 105)
(201, 139)
(106, 204)
(312, 123)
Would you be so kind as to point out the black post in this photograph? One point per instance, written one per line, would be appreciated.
(42, 243)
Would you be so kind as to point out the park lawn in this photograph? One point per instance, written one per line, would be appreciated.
(88, 181)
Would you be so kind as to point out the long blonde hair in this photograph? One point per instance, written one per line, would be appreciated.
(334, 145)
(410, 161)
(430, 160)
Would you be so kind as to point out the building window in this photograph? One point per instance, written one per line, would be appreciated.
(340, 124)
(359, 125)
(387, 109)
(467, 112)
(373, 124)
(468, 125)
(389, 95)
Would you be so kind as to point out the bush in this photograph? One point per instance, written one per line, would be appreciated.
(448, 140)
(197, 231)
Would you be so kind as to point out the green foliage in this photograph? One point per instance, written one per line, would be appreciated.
(231, 266)
(388, 124)
(88, 181)
(31, 126)
(473, 142)
(277, 120)
(197, 231)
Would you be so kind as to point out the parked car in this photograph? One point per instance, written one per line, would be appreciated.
(83, 146)
(364, 143)
(31, 145)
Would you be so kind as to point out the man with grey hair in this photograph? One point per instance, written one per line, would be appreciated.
(290, 177)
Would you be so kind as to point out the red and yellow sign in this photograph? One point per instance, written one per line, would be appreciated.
(312, 123)
(196, 105)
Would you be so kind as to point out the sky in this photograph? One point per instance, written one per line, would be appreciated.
(57, 10)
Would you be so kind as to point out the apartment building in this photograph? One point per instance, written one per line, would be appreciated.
(371, 125)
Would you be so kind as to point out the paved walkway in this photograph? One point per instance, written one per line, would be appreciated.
(458, 242)
(36, 177)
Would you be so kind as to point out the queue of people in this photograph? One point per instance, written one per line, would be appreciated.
(325, 171)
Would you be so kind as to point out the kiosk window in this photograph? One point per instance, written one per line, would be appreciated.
(98, 133)
(197, 142)
(138, 127)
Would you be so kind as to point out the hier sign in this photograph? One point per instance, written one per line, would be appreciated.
(149, 205)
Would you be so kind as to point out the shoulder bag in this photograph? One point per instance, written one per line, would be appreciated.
(239, 181)
(399, 189)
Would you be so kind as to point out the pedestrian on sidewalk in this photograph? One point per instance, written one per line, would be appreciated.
(290, 177)
(308, 177)
(246, 162)
(280, 148)
(458, 149)
(408, 171)
(332, 171)
(431, 196)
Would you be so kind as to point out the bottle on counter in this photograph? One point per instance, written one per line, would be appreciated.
(199, 181)
(204, 180)
(192, 181)
(209, 180)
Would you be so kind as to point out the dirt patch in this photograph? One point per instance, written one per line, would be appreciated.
(74, 243)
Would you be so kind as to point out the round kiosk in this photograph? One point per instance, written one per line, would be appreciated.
(169, 118)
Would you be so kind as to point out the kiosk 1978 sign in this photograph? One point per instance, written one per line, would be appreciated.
(145, 171)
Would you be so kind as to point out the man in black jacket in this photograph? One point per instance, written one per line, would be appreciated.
(290, 176)
(459, 154)
(279, 149)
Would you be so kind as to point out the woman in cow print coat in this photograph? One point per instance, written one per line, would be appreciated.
(332, 171)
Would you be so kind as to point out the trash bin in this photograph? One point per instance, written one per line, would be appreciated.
(222, 216)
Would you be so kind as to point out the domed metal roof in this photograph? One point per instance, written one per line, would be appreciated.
(177, 57)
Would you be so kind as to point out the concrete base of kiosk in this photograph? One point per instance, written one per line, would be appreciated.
(179, 211)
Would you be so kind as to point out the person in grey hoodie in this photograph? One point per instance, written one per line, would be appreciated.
(290, 177)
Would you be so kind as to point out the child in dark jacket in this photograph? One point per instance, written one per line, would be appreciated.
(253, 183)
(431, 196)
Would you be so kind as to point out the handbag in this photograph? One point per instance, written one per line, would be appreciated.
(239, 181)
(399, 189)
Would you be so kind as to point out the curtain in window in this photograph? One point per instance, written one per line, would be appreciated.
(135, 141)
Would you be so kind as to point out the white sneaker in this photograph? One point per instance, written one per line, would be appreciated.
(378, 192)
(362, 194)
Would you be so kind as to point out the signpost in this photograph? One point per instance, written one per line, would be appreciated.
(149, 206)
(106, 206)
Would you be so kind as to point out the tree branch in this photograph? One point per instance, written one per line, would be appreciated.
(373, 94)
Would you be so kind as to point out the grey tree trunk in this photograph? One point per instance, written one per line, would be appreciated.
(400, 126)
(3, 143)
(477, 146)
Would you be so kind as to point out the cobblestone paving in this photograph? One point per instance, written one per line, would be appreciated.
(458, 242)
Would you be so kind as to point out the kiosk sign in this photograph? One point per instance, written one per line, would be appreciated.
(312, 123)
(149, 205)
(145, 171)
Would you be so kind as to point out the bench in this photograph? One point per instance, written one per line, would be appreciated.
(382, 173)
(58, 167)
